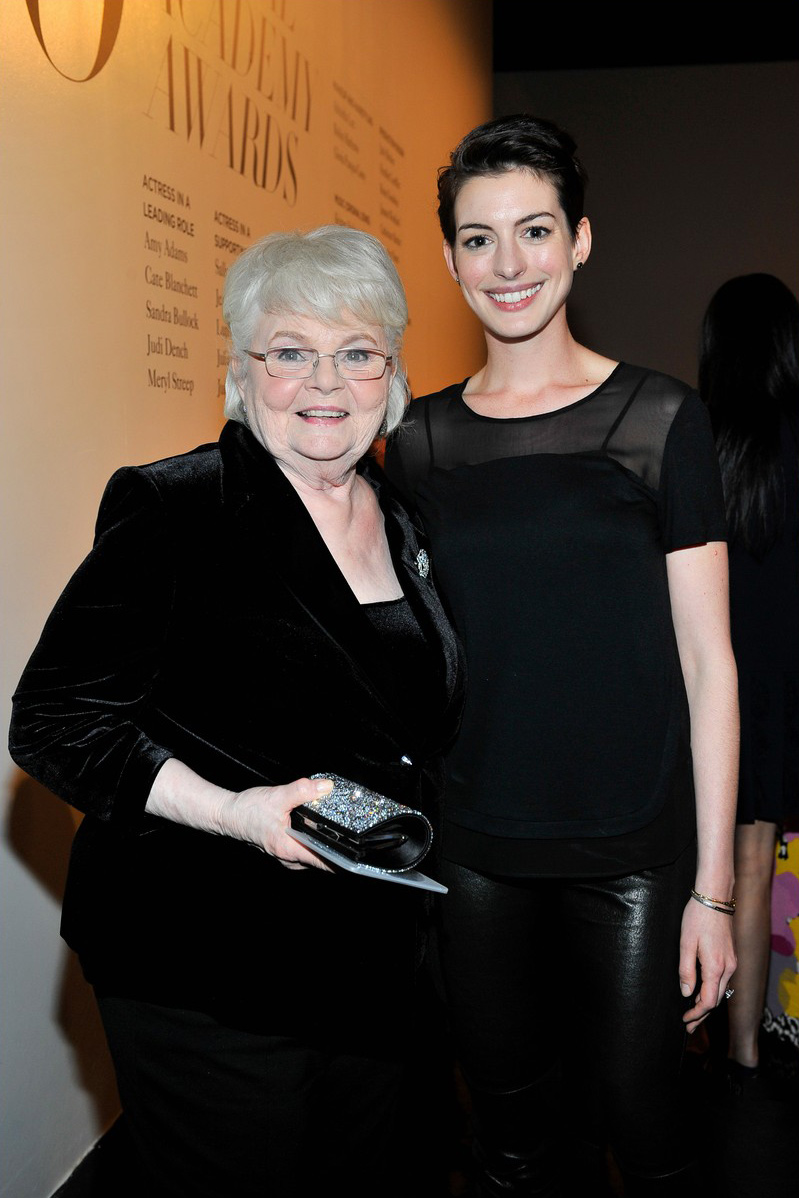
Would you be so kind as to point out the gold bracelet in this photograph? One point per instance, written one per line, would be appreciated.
(716, 902)
(724, 909)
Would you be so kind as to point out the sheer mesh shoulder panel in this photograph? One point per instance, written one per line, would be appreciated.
(638, 440)
(628, 418)
(409, 451)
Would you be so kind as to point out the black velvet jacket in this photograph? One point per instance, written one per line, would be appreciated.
(210, 623)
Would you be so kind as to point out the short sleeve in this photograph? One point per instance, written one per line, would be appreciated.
(690, 498)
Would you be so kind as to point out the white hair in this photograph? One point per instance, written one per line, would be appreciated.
(330, 273)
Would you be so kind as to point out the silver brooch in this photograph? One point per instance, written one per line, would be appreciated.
(423, 563)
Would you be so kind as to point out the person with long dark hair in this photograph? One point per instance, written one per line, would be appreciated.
(575, 513)
(749, 379)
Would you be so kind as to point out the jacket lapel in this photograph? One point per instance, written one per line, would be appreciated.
(269, 519)
(410, 553)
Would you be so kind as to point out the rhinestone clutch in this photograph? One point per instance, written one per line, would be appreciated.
(365, 826)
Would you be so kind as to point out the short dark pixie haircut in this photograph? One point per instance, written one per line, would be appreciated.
(507, 143)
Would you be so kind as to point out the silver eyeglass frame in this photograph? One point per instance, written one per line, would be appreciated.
(317, 357)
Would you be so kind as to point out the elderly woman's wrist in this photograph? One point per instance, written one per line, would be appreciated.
(244, 815)
(182, 796)
(228, 815)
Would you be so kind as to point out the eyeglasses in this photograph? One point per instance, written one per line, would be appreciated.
(295, 363)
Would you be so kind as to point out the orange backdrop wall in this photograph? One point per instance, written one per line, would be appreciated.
(144, 143)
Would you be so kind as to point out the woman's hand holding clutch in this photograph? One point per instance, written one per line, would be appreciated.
(259, 815)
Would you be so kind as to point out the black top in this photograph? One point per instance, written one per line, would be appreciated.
(417, 682)
(549, 535)
(764, 617)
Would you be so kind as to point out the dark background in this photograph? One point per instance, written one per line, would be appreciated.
(687, 127)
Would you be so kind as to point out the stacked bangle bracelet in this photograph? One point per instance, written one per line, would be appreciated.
(725, 906)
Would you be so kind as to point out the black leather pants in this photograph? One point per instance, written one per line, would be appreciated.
(566, 1007)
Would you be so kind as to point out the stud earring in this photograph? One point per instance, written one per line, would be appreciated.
(579, 266)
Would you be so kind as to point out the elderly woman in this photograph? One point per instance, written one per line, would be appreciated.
(252, 612)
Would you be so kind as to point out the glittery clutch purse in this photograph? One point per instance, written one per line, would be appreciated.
(365, 827)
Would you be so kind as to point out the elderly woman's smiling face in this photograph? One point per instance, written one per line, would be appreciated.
(316, 427)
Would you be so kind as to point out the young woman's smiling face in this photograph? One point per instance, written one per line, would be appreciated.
(514, 254)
